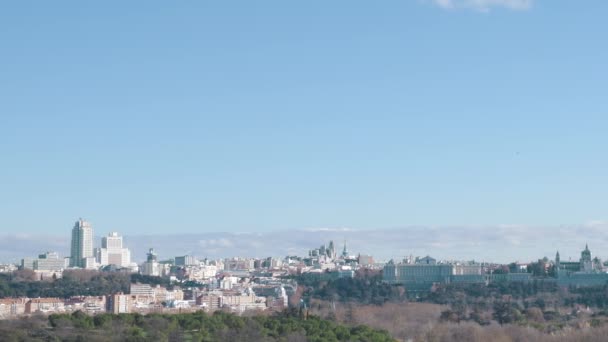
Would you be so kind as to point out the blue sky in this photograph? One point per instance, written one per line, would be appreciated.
(149, 117)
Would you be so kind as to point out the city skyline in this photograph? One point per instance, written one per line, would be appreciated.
(502, 244)
(276, 170)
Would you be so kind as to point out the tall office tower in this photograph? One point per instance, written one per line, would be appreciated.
(82, 245)
(112, 252)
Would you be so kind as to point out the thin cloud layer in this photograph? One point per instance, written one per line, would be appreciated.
(484, 5)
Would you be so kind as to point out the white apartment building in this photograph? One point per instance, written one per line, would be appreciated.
(112, 251)
(200, 273)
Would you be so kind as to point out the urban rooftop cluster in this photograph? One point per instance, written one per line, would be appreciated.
(234, 283)
(240, 284)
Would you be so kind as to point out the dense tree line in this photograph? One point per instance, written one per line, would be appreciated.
(545, 295)
(592, 296)
(24, 283)
(448, 293)
(530, 303)
(364, 288)
(152, 280)
(541, 305)
(220, 326)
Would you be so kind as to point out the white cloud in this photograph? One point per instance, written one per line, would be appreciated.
(445, 3)
(596, 223)
(328, 229)
(223, 243)
(484, 5)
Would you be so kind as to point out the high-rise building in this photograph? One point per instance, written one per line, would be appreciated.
(112, 251)
(82, 245)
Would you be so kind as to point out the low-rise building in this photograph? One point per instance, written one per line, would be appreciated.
(237, 301)
(44, 305)
(200, 273)
(8, 268)
(163, 295)
(118, 303)
(423, 273)
(155, 294)
(138, 289)
(89, 304)
(10, 307)
(48, 262)
(365, 260)
(239, 264)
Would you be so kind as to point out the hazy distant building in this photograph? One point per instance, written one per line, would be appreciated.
(423, 273)
(427, 260)
(27, 263)
(331, 250)
(112, 251)
(585, 272)
(186, 260)
(419, 275)
(585, 265)
(239, 264)
(151, 267)
(344, 251)
(325, 253)
(365, 260)
(82, 245)
(7, 268)
(271, 263)
(586, 262)
(49, 261)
